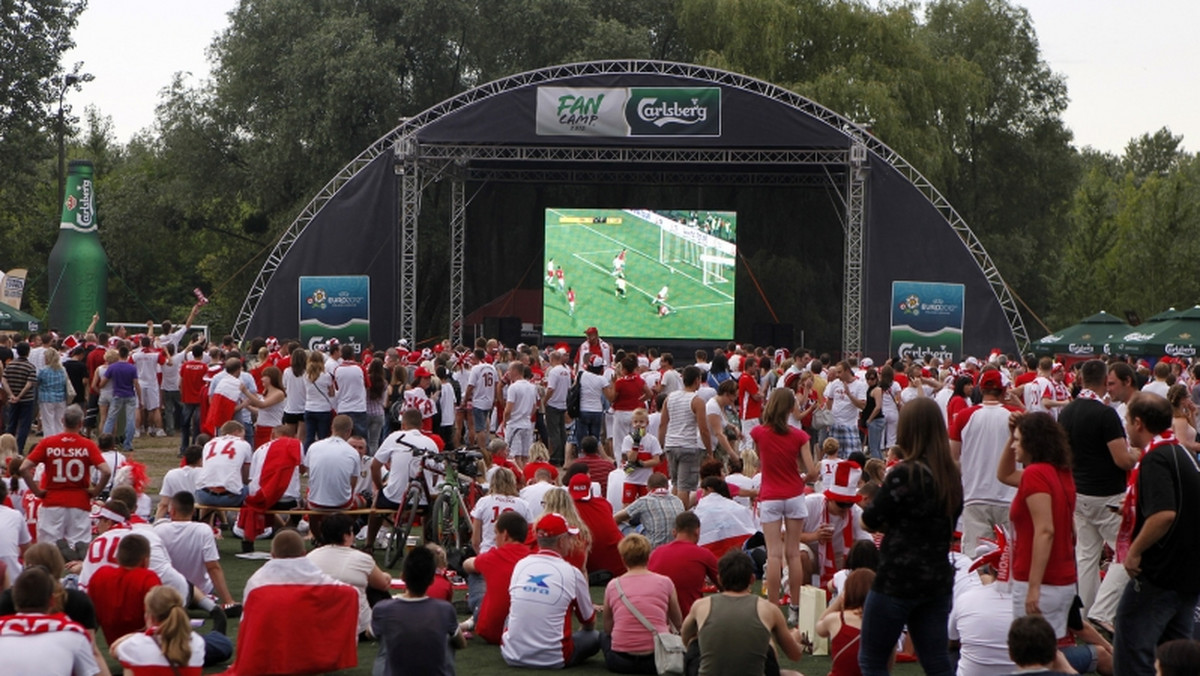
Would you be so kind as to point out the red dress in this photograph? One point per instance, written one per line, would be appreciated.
(844, 649)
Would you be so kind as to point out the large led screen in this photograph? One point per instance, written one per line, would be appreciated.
(640, 273)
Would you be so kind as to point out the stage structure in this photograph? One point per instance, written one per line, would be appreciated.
(524, 129)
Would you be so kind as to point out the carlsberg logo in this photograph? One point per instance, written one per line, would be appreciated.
(674, 111)
(83, 216)
(664, 113)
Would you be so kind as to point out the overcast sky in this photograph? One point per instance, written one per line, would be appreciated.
(1129, 65)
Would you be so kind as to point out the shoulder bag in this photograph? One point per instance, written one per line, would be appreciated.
(668, 648)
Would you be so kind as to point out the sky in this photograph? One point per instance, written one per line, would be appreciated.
(1129, 66)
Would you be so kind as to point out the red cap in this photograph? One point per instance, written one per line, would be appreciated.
(422, 372)
(553, 525)
(580, 487)
(590, 331)
(991, 380)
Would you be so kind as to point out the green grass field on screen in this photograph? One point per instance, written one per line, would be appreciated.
(585, 251)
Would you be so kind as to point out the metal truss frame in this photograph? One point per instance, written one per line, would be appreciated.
(413, 155)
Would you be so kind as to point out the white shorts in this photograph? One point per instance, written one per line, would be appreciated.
(64, 523)
(150, 397)
(1054, 602)
(777, 510)
(519, 440)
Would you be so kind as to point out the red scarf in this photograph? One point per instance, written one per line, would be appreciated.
(283, 457)
(30, 624)
(1088, 394)
(1129, 507)
(828, 558)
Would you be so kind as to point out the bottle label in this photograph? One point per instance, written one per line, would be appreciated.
(78, 213)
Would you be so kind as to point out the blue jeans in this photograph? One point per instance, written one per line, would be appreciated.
(1146, 616)
(189, 425)
(589, 424)
(360, 423)
(875, 433)
(129, 404)
(884, 618)
(316, 426)
(20, 419)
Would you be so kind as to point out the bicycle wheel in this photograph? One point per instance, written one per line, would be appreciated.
(405, 518)
(441, 525)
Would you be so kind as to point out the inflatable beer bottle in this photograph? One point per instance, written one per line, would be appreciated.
(78, 268)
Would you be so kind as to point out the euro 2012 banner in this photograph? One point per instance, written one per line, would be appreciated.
(927, 319)
(335, 307)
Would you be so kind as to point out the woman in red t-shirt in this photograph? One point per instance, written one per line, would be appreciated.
(963, 387)
(631, 393)
(1043, 516)
(782, 451)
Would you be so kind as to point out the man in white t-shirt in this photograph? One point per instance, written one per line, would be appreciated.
(111, 527)
(35, 642)
(980, 621)
(147, 361)
(350, 378)
(978, 435)
(180, 479)
(543, 592)
(520, 402)
(1040, 388)
(483, 388)
(669, 379)
(14, 536)
(333, 467)
(832, 524)
(844, 398)
(221, 481)
(193, 550)
(535, 491)
(171, 335)
(558, 383)
(396, 453)
(714, 413)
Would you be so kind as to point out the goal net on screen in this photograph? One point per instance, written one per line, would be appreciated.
(686, 247)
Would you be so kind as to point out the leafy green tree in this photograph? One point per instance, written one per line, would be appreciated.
(34, 34)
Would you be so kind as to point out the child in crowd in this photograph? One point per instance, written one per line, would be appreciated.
(640, 453)
(440, 588)
(829, 462)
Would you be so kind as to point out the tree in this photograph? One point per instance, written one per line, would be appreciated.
(34, 34)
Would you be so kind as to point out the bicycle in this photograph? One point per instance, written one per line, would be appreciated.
(447, 520)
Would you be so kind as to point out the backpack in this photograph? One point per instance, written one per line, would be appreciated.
(573, 396)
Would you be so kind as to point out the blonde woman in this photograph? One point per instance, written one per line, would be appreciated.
(318, 399)
(168, 642)
(558, 501)
(52, 394)
(106, 391)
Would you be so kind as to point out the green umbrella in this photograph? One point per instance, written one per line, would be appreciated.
(1178, 335)
(1090, 336)
(12, 319)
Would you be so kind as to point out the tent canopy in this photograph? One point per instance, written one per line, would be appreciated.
(12, 319)
(1090, 336)
(1176, 335)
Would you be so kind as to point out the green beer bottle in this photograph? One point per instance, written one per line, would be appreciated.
(78, 268)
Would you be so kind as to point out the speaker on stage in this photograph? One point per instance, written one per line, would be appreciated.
(505, 329)
(777, 335)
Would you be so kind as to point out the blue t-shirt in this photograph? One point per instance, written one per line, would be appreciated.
(122, 374)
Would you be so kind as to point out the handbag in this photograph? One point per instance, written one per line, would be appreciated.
(822, 418)
(668, 648)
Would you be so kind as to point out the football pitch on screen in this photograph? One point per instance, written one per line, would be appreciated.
(584, 243)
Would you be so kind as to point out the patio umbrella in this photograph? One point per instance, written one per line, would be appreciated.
(1090, 336)
(12, 319)
(1178, 335)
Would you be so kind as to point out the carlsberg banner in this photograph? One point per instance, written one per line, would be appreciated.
(629, 111)
(927, 318)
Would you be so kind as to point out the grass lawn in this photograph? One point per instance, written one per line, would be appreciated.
(159, 455)
(585, 252)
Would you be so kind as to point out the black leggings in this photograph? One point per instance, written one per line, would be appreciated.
(626, 663)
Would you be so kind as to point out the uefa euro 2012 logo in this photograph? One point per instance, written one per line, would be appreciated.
(318, 299)
(911, 305)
